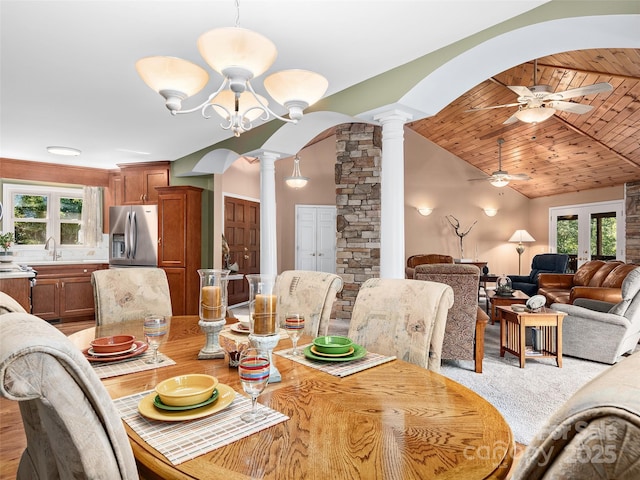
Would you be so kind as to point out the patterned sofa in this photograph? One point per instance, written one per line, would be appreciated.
(595, 280)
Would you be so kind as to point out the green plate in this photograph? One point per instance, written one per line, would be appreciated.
(358, 353)
(158, 403)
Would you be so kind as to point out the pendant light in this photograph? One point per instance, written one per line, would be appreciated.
(296, 180)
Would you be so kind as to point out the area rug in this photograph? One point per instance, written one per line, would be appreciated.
(526, 397)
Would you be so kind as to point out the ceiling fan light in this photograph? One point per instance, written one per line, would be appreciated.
(247, 104)
(172, 74)
(534, 114)
(299, 88)
(499, 182)
(237, 48)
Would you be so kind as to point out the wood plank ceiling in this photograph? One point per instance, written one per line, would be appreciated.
(566, 153)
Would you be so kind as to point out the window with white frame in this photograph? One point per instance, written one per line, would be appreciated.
(34, 213)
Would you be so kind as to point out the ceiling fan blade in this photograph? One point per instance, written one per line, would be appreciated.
(477, 109)
(510, 120)
(518, 176)
(570, 107)
(580, 91)
(521, 91)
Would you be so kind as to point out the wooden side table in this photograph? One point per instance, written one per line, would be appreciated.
(495, 301)
(513, 327)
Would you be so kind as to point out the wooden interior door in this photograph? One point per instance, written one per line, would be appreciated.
(242, 231)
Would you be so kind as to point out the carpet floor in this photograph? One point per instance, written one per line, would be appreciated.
(526, 397)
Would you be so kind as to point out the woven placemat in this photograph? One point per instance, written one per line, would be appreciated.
(130, 365)
(182, 441)
(338, 369)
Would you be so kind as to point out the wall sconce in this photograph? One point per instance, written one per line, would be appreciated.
(490, 212)
(425, 211)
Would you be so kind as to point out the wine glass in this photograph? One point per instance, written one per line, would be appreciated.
(156, 332)
(253, 369)
(294, 325)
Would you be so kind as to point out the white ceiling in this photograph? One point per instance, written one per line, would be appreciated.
(68, 76)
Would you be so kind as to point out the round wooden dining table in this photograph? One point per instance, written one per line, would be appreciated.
(391, 421)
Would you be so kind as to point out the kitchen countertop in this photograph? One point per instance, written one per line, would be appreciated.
(17, 273)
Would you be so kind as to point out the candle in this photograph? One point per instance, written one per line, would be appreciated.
(210, 302)
(264, 319)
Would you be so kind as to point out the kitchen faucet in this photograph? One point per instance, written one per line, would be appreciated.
(55, 253)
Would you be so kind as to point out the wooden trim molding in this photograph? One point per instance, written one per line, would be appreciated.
(55, 173)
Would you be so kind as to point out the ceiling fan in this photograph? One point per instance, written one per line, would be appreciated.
(538, 102)
(500, 178)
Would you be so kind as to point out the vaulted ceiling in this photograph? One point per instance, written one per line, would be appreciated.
(566, 153)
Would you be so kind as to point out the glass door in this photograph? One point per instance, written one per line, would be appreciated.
(593, 231)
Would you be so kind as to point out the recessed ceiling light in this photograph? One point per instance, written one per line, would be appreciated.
(65, 151)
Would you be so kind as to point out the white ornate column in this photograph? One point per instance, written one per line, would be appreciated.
(392, 193)
(268, 239)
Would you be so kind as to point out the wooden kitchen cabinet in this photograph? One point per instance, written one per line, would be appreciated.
(179, 244)
(64, 292)
(138, 182)
(19, 289)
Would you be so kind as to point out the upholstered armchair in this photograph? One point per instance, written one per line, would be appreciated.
(72, 428)
(541, 263)
(402, 317)
(310, 293)
(8, 304)
(603, 336)
(414, 260)
(595, 434)
(466, 321)
(122, 294)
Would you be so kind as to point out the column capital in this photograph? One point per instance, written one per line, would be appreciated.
(393, 115)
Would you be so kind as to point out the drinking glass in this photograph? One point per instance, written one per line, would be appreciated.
(156, 332)
(294, 325)
(253, 369)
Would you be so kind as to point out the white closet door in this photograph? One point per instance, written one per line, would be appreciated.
(316, 238)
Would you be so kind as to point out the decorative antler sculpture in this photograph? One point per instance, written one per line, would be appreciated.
(456, 226)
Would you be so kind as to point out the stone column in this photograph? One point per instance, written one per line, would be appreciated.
(392, 259)
(268, 239)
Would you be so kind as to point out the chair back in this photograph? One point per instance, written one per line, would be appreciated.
(402, 317)
(309, 293)
(72, 428)
(8, 304)
(595, 434)
(415, 260)
(459, 335)
(629, 307)
(548, 263)
(130, 293)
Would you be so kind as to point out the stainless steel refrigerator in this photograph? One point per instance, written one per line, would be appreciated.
(133, 235)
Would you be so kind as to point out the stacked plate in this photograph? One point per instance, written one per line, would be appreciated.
(186, 397)
(334, 348)
(114, 349)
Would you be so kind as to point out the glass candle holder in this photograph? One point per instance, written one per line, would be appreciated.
(213, 294)
(263, 317)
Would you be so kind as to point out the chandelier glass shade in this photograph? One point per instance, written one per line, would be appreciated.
(239, 55)
(296, 180)
(534, 114)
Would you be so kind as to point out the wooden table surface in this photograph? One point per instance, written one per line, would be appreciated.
(396, 420)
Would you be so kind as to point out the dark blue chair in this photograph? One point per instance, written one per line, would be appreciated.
(542, 263)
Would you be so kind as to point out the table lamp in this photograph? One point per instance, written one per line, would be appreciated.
(521, 236)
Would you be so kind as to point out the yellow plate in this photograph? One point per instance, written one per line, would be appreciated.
(331, 355)
(225, 397)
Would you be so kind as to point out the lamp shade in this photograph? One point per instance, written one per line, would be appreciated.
(534, 114)
(521, 236)
(289, 86)
(172, 74)
(235, 47)
(247, 104)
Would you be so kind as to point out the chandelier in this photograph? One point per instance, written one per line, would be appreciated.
(239, 55)
(296, 180)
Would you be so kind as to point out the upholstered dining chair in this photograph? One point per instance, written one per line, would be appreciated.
(122, 294)
(595, 434)
(414, 260)
(72, 428)
(466, 321)
(310, 293)
(402, 317)
(8, 304)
